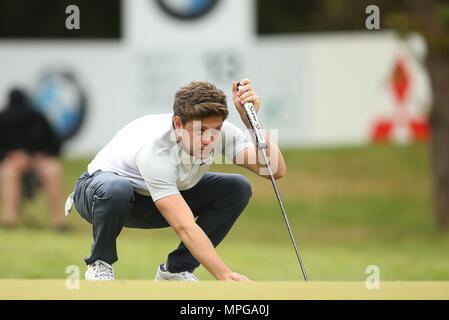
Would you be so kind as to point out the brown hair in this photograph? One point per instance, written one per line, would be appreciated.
(199, 100)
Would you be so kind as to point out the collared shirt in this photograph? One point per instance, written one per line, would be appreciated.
(147, 153)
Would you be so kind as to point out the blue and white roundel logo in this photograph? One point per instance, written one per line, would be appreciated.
(61, 99)
(187, 9)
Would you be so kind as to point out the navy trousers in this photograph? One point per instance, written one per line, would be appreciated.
(109, 203)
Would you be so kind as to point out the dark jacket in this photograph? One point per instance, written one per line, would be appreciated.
(22, 127)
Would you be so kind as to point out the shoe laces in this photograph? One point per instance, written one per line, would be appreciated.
(188, 276)
(103, 270)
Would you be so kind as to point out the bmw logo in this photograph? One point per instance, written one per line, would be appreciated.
(60, 97)
(187, 9)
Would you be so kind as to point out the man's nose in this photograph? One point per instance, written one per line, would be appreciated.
(207, 139)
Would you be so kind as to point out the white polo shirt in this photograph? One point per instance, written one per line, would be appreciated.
(146, 153)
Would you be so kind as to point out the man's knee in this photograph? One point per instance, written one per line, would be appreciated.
(241, 187)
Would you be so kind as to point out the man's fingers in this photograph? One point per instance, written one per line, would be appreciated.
(238, 277)
(244, 82)
(246, 95)
(234, 87)
(244, 278)
(249, 96)
(253, 98)
(243, 89)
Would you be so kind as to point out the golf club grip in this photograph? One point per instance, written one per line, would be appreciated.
(251, 114)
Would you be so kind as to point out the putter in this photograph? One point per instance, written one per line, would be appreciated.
(262, 145)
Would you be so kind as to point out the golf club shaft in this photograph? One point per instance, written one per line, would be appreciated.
(262, 145)
(273, 181)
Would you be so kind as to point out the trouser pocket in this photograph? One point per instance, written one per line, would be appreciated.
(82, 199)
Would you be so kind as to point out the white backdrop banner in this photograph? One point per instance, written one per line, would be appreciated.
(327, 89)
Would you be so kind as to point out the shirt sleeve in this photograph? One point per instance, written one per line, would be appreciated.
(234, 140)
(158, 172)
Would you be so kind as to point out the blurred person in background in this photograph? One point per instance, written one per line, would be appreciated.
(28, 146)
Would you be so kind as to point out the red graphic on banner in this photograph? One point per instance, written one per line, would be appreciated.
(417, 129)
(400, 82)
(383, 130)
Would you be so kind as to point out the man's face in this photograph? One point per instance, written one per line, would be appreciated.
(200, 136)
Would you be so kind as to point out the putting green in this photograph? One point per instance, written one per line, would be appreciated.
(215, 290)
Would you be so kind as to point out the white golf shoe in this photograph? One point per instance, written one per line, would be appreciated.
(163, 274)
(99, 271)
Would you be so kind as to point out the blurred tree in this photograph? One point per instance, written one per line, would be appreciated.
(288, 16)
(431, 19)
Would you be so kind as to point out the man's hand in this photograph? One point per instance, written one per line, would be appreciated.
(244, 95)
(234, 276)
(178, 214)
(246, 157)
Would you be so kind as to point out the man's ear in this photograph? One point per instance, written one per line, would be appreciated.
(177, 122)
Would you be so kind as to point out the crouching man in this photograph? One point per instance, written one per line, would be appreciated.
(154, 174)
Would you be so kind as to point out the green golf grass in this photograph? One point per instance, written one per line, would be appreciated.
(349, 208)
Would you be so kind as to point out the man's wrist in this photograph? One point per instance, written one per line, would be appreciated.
(223, 273)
